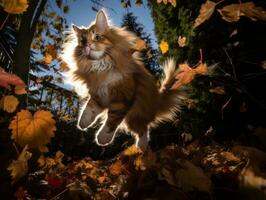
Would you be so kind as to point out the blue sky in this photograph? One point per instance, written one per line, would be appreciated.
(81, 13)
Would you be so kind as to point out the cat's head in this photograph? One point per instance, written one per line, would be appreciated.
(92, 41)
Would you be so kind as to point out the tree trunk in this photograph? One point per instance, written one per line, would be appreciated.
(25, 35)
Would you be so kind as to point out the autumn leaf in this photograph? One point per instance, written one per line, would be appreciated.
(9, 103)
(181, 41)
(230, 13)
(164, 46)
(15, 6)
(19, 167)
(140, 45)
(132, 150)
(116, 168)
(217, 90)
(63, 66)
(172, 2)
(187, 74)
(139, 163)
(48, 58)
(206, 12)
(36, 130)
(7, 79)
(19, 90)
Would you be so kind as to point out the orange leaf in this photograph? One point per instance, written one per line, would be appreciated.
(9, 103)
(230, 13)
(164, 46)
(63, 66)
(20, 90)
(206, 12)
(36, 130)
(140, 45)
(116, 168)
(15, 6)
(48, 58)
(132, 150)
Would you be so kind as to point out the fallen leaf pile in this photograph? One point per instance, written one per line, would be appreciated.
(132, 173)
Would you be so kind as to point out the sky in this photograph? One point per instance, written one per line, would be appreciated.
(81, 13)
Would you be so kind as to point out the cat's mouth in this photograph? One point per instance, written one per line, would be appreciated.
(93, 53)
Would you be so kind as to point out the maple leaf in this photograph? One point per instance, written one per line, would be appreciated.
(164, 46)
(15, 6)
(7, 79)
(36, 130)
(206, 12)
(19, 167)
(187, 74)
(9, 103)
(132, 150)
(19, 90)
(116, 168)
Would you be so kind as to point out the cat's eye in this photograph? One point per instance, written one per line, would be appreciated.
(97, 37)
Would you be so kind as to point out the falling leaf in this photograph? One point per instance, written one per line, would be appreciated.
(164, 46)
(48, 58)
(36, 130)
(187, 74)
(206, 12)
(217, 90)
(19, 90)
(9, 103)
(116, 168)
(181, 41)
(7, 79)
(230, 13)
(132, 150)
(15, 6)
(140, 45)
(19, 167)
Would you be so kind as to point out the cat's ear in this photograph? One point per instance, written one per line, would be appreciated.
(75, 28)
(101, 21)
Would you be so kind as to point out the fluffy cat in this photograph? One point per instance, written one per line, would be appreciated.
(115, 83)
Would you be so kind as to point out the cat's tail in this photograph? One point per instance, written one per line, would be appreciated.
(171, 100)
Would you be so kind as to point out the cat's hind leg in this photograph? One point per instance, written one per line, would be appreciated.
(88, 114)
(106, 134)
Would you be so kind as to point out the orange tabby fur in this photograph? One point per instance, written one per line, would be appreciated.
(116, 83)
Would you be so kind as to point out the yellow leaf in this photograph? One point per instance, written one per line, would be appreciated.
(139, 164)
(132, 150)
(20, 90)
(206, 12)
(19, 167)
(15, 6)
(164, 46)
(36, 130)
(115, 168)
(181, 41)
(9, 103)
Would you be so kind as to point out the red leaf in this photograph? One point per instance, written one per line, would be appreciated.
(7, 79)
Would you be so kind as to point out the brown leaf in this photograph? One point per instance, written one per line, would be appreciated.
(140, 45)
(19, 90)
(181, 41)
(116, 168)
(252, 11)
(230, 13)
(9, 103)
(206, 12)
(217, 90)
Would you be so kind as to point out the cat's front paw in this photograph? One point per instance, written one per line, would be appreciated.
(105, 136)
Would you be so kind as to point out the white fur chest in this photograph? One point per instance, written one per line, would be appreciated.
(101, 65)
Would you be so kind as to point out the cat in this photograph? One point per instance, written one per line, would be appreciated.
(115, 83)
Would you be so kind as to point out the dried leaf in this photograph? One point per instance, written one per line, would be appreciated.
(230, 13)
(15, 6)
(19, 90)
(187, 74)
(9, 103)
(182, 41)
(217, 90)
(164, 46)
(7, 79)
(206, 12)
(48, 58)
(132, 150)
(252, 11)
(19, 167)
(36, 130)
(116, 168)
